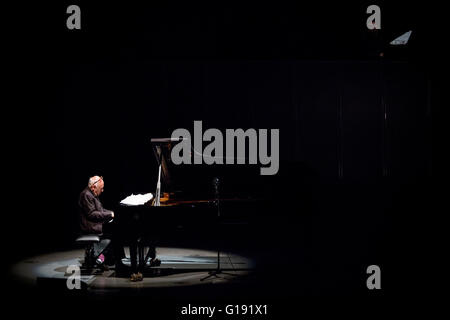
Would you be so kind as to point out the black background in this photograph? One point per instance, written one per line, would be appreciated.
(353, 189)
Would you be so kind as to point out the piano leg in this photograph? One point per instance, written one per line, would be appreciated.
(141, 256)
(151, 253)
(134, 255)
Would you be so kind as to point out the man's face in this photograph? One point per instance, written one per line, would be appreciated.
(98, 186)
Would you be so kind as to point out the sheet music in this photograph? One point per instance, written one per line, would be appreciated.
(137, 199)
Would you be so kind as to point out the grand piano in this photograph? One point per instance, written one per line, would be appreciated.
(189, 203)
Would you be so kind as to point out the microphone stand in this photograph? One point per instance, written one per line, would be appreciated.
(217, 271)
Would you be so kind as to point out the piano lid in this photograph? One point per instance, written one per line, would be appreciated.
(162, 148)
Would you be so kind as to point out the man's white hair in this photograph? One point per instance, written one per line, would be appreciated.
(93, 180)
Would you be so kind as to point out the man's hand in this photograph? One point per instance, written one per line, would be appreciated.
(112, 214)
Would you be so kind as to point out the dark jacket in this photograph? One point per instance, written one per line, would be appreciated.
(92, 213)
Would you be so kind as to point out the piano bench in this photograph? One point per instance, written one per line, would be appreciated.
(88, 241)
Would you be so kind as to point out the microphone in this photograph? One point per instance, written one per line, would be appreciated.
(216, 183)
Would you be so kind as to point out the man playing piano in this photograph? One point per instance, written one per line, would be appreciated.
(93, 216)
(92, 219)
